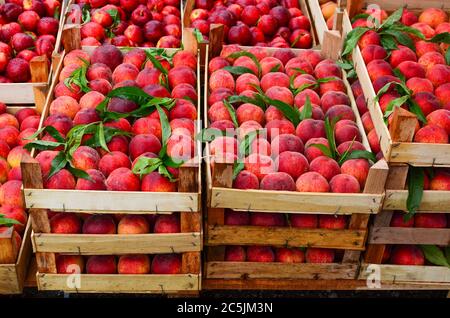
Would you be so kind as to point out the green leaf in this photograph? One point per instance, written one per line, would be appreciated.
(407, 29)
(291, 113)
(85, 13)
(434, 255)
(394, 17)
(232, 113)
(415, 109)
(238, 70)
(43, 145)
(244, 146)
(276, 68)
(198, 35)
(298, 69)
(352, 39)
(394, 104)
(351, 74)
(388, 42)
(207, 134)
(235, 55)
(441, 38)
(307, 110)
(58, 163)
(145, 165)
(78, 77)
(361, 154)
(51, 131)
(360, 16)
(4, 221)
(245, 99)
(101, 137)
(399, 74)
(447, 56)
(157, 64)
(402, 38)
(302, 87)
(237, 167)
(415, 190)
(162, 170)
(79, 173)
(345, 65)
(384, 89)
(168, 162)
(132, 93)
(326, 151)
(165, 128)
(329, 130)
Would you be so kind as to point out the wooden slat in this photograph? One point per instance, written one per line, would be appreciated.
(110, 201)
(19, 93)
(285, 236)
(390, 5)
(421, 154)
(318, 19)
(402, 273)
(151, 284)
(250, 270)
(8, 250)
(71, 37)
(291, 201)
(332, 45)
(397, 235)
(216, 34)
(39, 73)
(116, 244)
(436, 201)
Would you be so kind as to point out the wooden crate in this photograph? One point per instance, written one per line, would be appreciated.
(381, 234)
(221, 196)
(396, 141)
(14, 261)
(45, 244)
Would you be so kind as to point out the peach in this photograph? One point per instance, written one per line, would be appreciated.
(398, 220)
(97, 181)
(430, 59)
(433, 17)
(411, 69)
(319, 255)
(65, 223)
(427, 102)
(268, 80)
(73, 91)
(312, 182)
(408, 17)
(60, 122)
(271, 64)
(86, 116)
(293, 67)
(30, 122)
(98, 71)
(423, 47)
(15, 156)
(278, 181)
(313, 152)
(8, 120)
(136, 56)
(168, 223)
(166, 264)
(45, 159)
(374, 142)
(441, 118)
(359, 168)
(183, 109)
(361, 104)
(357, 89)
(378, 68)
(402, 54)
(101, 264)
(407, 255)
(144, 143)
(63, 179)
(373, 52)
(85, 158)
(235, 254)
(181, 74)
(64, 105)
(67, 71)
(182, 126)
(440, 181)
(69, 264)
(261, 146)
(439, 74)
(327, 68)
(346, 132)
(4, 170)
(336, 84)
(328, 9)
(4, 149)
(272, 113)
(133, 224)
(185, 91)
(99, 224)
(442, 93)
(325, 166)
(218, 95)
(246, 180)
(341, 112)
(223, 144)
(112, 161)
(426, 30)
(332, 222)
(292, 163)
(344, 183)
(369, 38)
(185, 58)
(180, 147)
(15, 213)
(15, 174)
(310, 128)
(418, 85)
(10, 134)
(147, 125)
(122, 124)
(236, 218)
(125, 71)
(218, 111)
(260, 165)
(148, 76)
(286, 142)
(246, 128)
(217, 63)
(247, 112)
(221, 79)
(289, 255)
(245, 61)
(276, 127)
(154, 182)
(262, 254)
(430, 220)
(303, 221)
(431, 134)
(280, 93)
(300, 98)
(332, 98)
(381, 81)
(266, 219)
(100, 85)
(134, 264)
(386, 99)
(305, 81)
(122, 179)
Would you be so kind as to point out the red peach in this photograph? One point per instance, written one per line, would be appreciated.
(260, 254)
(65, 223)
(344, 183)
(97, 181)
(268, 80)
(441, 118)
(235, 254)
(319, 255)
(246, 180)
(332, 222)
(69, 264)
(312, 182)
(407, 255)
(359, 168)
(303, 221)
(398, 220)
(154, 182)
(112, 161)
(122, 179)
(134, 264)
(431, 134)
(326, 166)
(260, 165)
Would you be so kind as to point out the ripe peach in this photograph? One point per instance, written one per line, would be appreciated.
(332, 222)
(97, 182)
(99, 224)
(134, 264)
(260, 165)
(236, 218)
(441, 118)
(64, 105)
(312, 182)
(180, 147)
(439, 74)
(133, 224)
(98, 71)
(423, 47)
(260, 254)
(407, 255)
(154, 182)
(303, 221)
(408, 17)
(310, 128)
(398, 220)
(278, 181)
(361, 104)
(218, 111)
(440, 181)
(369, 38)
(30, 122)
(280, 93)
(426, 30)
(344, 183)
(346, 132)
(122, 179)
(442, 93)
(286, 142)
(266, 219)
(341, 112)
(223, 144)
(289, 255)
(359, 168)
(85, 158)
(108, 55)
(183, 109)
(10, 134)
(101, 264)
(69, 264)
(185, 91)
(76, 57)
(357, 89)
(373, 52)
(246, 128)
(313, 152)
(63, 179)
(305, 79)
(276, 127)
(418, 85)
(268, 80)
(431, 134)
(15, 174)
(433, 17)
(168, 223)
(411, 69)
(166, 264)
(272, 113)
(270, 64)
(326, 166)
(8, 120)
(300, 98)
(430, 220)
(221, 79)
(182, 74)
(235, 254)
(402, 54)
(378, 68)
(261, 146)
(147, 125)
(333, 98)
(112, 161)
(374, 142)
(246, 180)
(319, 255)
(247, 112)
(336, 84)
(144, 143)
(65, 223)
(430, 59)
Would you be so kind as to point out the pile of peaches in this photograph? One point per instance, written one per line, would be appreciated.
(255, 22)
(27, 29)
(149, 23)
